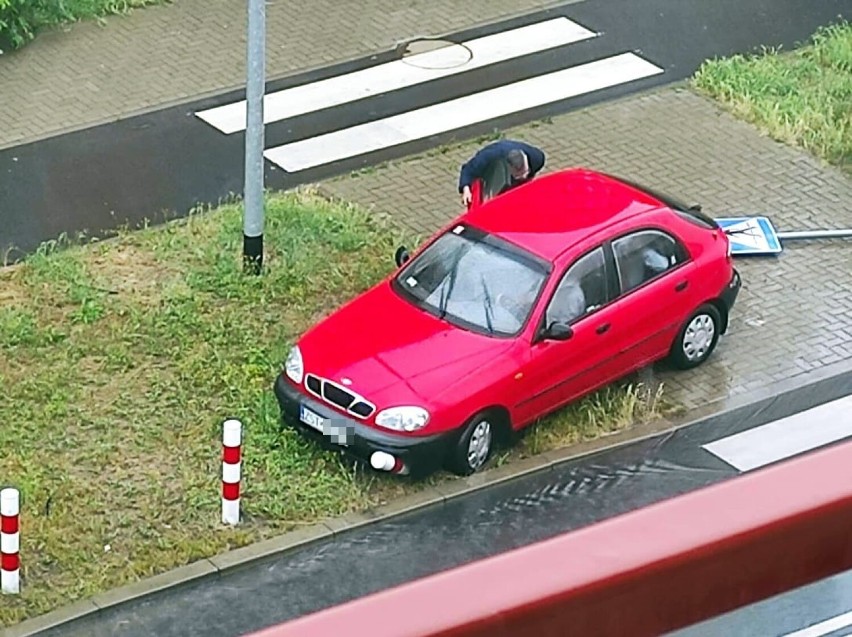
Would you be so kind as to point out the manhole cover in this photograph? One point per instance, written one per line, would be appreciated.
(435, 54)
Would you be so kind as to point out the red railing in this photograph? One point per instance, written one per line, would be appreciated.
(647, 572)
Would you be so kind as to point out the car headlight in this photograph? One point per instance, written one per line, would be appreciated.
(293, 366)
(403, 418)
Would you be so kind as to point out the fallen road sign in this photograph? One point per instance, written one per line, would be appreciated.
(751, 235)
(757, 235)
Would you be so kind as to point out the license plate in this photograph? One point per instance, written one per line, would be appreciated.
(311, 418)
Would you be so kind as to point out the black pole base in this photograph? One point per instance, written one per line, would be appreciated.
(253, 254)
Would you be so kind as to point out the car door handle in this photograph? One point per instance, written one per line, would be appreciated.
(680, 287)
(602, 328)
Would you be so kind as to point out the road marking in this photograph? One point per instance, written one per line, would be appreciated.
(461, 112)
(411, 70)
(786, 437)
(823, 628)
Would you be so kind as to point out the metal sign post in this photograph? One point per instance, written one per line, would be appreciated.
(757, 235)
(815, 234)
(253, 199)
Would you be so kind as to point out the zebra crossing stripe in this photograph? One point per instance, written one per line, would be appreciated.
(787, 437)
(458, 113)
(399, 74)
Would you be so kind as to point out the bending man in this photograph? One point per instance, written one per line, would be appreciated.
(523, 160)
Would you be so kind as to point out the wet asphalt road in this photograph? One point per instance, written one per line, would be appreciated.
(484, 523)
(161, 164)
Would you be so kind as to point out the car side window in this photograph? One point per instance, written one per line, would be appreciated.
(582, 290)
(644, 255)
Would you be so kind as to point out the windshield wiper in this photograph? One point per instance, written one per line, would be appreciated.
(489, 310)
(447, 290)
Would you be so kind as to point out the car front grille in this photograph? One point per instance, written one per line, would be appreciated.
(334, 394)
(338, 396)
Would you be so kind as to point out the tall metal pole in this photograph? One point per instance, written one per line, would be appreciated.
(253, 199)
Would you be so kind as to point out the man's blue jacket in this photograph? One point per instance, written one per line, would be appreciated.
(475, 167)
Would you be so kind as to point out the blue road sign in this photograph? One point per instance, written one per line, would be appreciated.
(751, 235)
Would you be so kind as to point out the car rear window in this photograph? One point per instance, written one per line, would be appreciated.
(698, 218)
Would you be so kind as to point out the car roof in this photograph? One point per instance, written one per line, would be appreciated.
(552, 212)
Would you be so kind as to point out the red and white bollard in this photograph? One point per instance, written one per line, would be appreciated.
(10, 564)
(231, 462)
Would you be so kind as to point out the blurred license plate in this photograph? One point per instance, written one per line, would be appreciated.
(311, 418)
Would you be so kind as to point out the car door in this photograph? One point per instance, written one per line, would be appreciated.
(654, 272)
(496, 178)
(557, 371)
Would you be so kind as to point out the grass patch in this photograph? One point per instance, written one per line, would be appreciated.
(606, 412)
(802, 98)
(119, 361)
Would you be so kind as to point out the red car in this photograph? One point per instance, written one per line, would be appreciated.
(527, 301)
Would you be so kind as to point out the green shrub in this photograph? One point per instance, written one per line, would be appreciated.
(19, 21)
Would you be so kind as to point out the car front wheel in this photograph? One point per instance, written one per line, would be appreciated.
(473, 448)
(697, 338)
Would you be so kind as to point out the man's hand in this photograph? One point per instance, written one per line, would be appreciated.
(467, 197)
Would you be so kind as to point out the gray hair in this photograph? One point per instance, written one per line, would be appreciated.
(515, 158)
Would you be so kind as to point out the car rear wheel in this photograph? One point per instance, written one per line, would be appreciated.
(697, 338)
(474, 446)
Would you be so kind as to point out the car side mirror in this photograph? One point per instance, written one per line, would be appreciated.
(558, 331)
(401, 255)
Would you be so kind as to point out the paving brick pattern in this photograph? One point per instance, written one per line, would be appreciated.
(89, 74)
(795, 311)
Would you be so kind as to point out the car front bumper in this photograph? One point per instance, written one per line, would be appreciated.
(418, 454)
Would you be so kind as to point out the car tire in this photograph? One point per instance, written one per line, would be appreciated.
(474, 446)
(697, 338)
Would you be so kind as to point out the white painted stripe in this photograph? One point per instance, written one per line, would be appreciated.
(786, 437)
(231, 511)
(823, 628)
(464, 111)
(231, 473)
(391, 76)
(11, 581)
(232, 433)
(9, 501)
(9, 543)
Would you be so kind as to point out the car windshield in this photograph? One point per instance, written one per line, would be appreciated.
(474, 280)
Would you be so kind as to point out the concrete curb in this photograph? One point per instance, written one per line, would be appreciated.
(769, 403)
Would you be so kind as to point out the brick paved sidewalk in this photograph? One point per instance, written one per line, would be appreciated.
(90, 74)
(794, 313)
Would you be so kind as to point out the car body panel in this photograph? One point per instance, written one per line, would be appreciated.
(530, 216)
(392, 352)
(556, 372)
